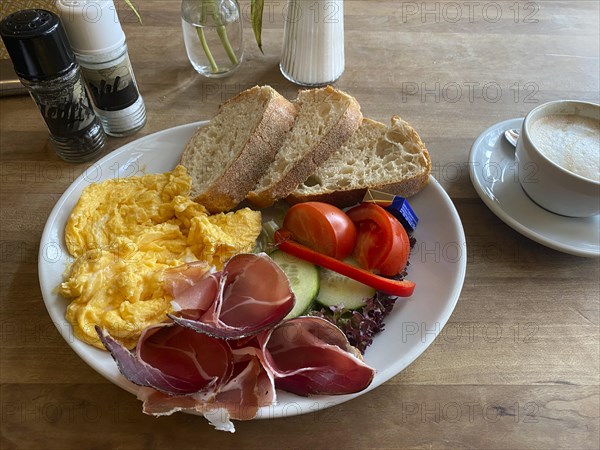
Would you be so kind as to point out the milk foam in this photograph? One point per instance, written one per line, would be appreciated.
(571, 141)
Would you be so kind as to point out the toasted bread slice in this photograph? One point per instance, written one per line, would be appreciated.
(227, 157)
(392, 160)
(326, 120)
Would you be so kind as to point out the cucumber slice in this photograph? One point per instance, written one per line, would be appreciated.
(304, 280)
(336, 289)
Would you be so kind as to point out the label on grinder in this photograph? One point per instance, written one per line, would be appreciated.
(112, 88)
(65, 111)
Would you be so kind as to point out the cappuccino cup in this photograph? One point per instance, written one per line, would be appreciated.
(558, 157)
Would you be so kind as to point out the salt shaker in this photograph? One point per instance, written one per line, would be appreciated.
(313, 42)
(98, 42)
(46, 65)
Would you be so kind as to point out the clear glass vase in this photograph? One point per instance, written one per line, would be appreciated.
(212, 32)
(313, 42)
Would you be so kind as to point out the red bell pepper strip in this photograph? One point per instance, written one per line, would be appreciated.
(285, 243)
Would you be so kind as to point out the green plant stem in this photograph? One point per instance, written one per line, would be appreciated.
(222, 32)
(214, 68)
(225, 41)
(211, 60)
(137, 14)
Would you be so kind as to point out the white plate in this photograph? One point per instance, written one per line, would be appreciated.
(438, 266)
(493, 173)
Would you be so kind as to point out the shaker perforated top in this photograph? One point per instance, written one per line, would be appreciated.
(37, 44)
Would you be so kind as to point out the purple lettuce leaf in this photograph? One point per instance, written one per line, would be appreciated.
(360, 326)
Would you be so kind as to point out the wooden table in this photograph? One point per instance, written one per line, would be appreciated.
(517, 366)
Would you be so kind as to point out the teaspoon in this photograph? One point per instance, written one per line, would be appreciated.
(512, 136)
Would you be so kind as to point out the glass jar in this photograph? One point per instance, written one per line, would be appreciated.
(313, 42)
(212, 32)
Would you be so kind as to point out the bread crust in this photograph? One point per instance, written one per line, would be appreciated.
(342, 199)
(338, 134)
(259, 151)
(405, 188)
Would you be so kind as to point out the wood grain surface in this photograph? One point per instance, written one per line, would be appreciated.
(517, 366)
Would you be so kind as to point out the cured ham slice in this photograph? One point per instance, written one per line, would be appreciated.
(310, 356)
(192, 286)
(179, 279)
(173, 360)
(249, 388)
(228, 350)
(182, 370)
(254, 294)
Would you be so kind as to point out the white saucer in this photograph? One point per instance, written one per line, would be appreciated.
(493, 173)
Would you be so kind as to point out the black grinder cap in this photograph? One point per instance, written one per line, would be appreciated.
(37, 44)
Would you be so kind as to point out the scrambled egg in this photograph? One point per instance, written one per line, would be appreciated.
(124, 233)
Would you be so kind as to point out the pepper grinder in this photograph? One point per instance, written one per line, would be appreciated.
(98, 42)
(41, 56)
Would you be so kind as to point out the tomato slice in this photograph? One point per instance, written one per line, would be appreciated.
(321, 227)
(372, 246)
(382, 244)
